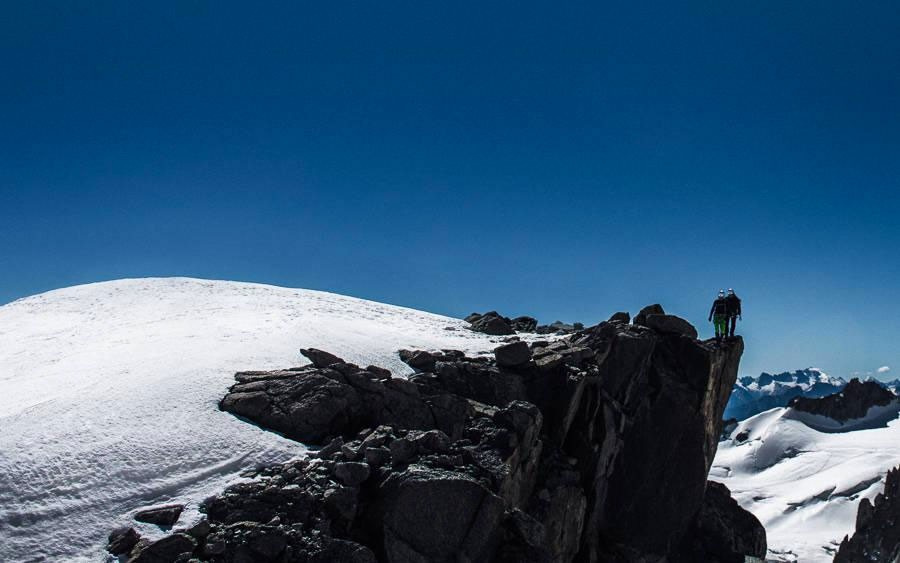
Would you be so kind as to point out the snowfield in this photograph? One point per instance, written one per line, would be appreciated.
(804, 483)
(109, 392)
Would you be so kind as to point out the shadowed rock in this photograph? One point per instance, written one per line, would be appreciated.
(877, 536)
(641, 317)
(853, 401)
(670, 324)
(161, 516)
(122, 540)
(723, 530)
(512, 354)
(597, 450)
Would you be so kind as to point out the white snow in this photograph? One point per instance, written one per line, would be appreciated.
(109, 391)
(805, 485)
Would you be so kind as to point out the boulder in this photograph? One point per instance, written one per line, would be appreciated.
(641, 317)
(122, 540)
(493, 324)
(319, 358)
(165, 550)
(352, 473)
(620, 317)
(161, 515)
(512, 354)
(436, 515)
(524, 324)
(419, 359)
(670, 324)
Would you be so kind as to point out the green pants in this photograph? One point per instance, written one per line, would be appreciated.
(721, 323)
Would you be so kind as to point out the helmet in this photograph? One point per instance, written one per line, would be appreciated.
(721, 293)
(730, 291)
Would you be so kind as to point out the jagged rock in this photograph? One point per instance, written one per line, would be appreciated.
(512, 354)
(723, 532)
(877, 536)
(559, 327)
(419, 359)
(524, 324)
(319, 358)
(161, 515)
(473, 317)
(598, 450)
(314, 404)
(492, 323)
(853, 401)
(122, 540)
(670, 324)
(620, 317)
(165, 550)
(352, 473)
(641, 317)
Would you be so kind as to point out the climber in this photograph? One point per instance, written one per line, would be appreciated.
(718, 314)
(733, 307)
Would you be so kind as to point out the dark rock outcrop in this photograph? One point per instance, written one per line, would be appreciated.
(641, 317)
(524, 324)
(670, 324)
(122, 540)
(495, 324)
(161, 515)
(492, 323)
(595, 449)
(559, 327)
(853, 401)
(512, 354)
(620, 317)
(877, 536)
(320, 358)
(723, 531)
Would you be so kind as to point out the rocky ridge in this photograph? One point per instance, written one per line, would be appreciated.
(594, 447)
(877, 536)
(852, 402)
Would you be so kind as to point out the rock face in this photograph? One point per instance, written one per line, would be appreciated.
(853, 401)
(723, 529)
(592, 448)
(877, 536)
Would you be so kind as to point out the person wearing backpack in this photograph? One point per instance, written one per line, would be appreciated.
(733, 308)
(718, 314)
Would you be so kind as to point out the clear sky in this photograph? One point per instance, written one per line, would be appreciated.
(564, 161)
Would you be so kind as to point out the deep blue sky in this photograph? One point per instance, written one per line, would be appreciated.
(561, 161)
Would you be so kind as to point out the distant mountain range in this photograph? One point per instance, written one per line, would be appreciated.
(753, 395)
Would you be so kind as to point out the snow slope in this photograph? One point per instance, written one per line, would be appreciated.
(109, 391)
(803, 484)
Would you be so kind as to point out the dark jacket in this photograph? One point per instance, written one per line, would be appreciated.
(719, 308)
(733, 305)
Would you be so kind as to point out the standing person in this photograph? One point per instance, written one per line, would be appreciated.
(733, 306)
(718, 314)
